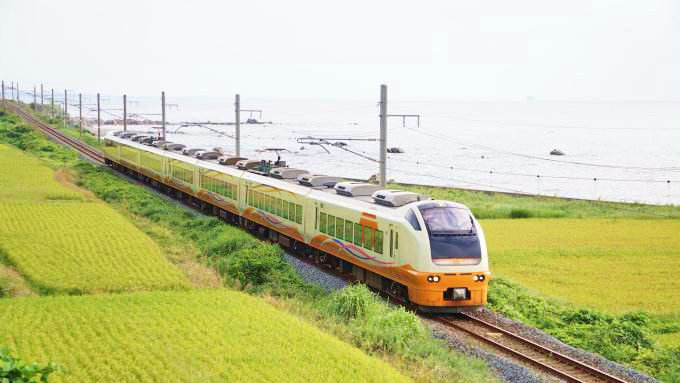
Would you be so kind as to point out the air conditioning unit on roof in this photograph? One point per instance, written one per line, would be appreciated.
(230, 160)
(396, 198)
(355, 189)
(316, 180)
(287, 173)
(248, 164)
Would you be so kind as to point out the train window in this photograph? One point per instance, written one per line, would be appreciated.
(396, 241)
(379, 241)
(260, 201)
(270, 204)
(348, 231)
(286, 208)
(358, 235)
(413, 220)
(368, 238)
(340, 228)
(291, 211)
(331, 225)
(322, 223)
(298, 214)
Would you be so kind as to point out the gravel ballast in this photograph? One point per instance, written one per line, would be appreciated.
(314, 275)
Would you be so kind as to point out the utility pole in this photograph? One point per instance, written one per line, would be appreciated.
(42, 98)
(163, 113)
(237, 109)
(80, 113)
(35, 99)
(125, 113)
(383, 135)
(65, 106)
(99, 120)
(3, 91)
(18, 96)
(52, 110)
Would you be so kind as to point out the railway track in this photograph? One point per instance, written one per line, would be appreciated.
(549, 361)
(84, 149)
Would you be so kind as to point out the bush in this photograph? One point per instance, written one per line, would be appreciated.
(16, 371)
(520, 213)
(4, 287)
(351, 302)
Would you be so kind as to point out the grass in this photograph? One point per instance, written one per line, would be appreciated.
(199, 336)
(490, 205)
(616, 265)
(64, 242)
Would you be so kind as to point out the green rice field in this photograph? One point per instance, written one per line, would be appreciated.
(62, 241)
(197, 336)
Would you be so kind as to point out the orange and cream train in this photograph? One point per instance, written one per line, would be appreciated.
(429, 253)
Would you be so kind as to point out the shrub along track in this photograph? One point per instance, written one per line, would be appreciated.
(508, 343)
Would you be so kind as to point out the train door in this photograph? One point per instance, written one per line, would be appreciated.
(394, 245)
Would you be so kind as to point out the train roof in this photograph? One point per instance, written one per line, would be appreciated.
(321, 194)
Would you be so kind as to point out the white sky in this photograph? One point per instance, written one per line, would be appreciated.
(461, 50)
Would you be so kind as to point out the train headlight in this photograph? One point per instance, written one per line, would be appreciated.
(433, 278)
(478, 278)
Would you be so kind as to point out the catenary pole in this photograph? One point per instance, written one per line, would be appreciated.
(237, 110)
(125, 113)
(80, 113)
(99, 119)
(65, 106)
(163, 113)
(52, 110)
(35, 98)
(18, 96)
(383, 135)
(42, 98)
(3, 91)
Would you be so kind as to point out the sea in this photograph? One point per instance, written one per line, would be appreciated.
(612, 151)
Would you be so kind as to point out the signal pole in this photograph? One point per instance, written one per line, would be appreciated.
(237, 110)
(125, 113)
(99, 120)
(383, 135)
(163, 113)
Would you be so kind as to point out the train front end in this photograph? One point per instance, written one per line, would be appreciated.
(451, 266)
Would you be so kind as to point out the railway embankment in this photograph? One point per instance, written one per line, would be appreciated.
(243, 263)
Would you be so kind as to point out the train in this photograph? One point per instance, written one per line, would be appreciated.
(428, 253)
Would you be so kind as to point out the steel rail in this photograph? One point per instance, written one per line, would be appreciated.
(586, 372)
(84, 149)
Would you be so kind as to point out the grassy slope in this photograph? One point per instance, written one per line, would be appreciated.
(244, 262)
(201, 336)
(63, 242)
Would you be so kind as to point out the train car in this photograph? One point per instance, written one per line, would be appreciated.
(426, 252)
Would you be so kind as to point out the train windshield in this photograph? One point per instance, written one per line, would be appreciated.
(453, 237)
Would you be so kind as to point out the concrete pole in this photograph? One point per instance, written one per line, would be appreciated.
(383, 135)
(3, 91)
(99, 120)
(42, 98)
(35, 98)
(52, 110)
(237, 110)
(125, 113)
(163, 113)
(65, 106)
(18, 96)
(80, 113)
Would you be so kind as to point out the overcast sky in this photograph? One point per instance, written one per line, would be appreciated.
(460, 50)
